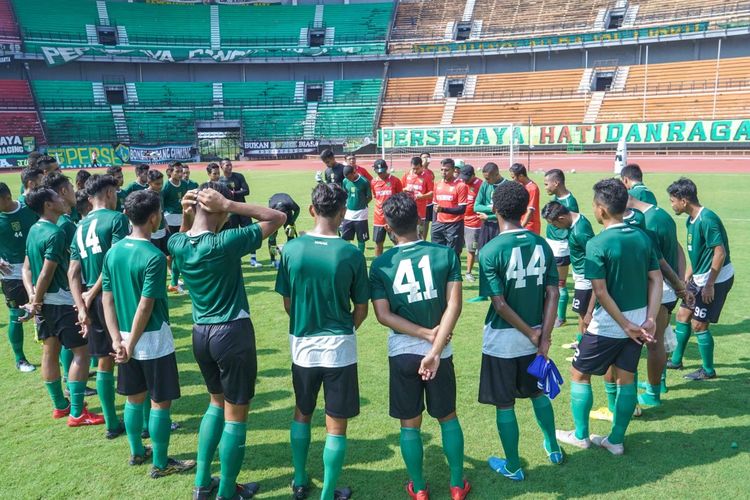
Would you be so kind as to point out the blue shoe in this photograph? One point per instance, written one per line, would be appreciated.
(498, 465)
(556, 457)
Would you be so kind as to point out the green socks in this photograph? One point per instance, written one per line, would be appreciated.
(453, 448)
(209, 435)
(231, 455)
(562, 304)
(624, 406)
(361, 246)
(299, 437)
(581, 401)
(175, 274)
(134, 427)
(66, 358)
(15, 334)
(682, 332)
(706, 348)
(159, 427)
(412, 452)
(77, 389)
(333, 460)
(94, 363)
(56, 394)
(610, 388)
(545, 417)
(146, 411)
(507, 427)
(105, 388)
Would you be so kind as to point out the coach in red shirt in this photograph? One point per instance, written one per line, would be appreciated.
(530, 220)
(451, 197)
(383, 187)
(420, 185)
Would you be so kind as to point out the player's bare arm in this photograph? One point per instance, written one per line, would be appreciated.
(386, 317)
(431, 362)
(655, 279)
(551, 298)
(359, 314)
(268, 219)
(508, 314)
(76, 289)
(632, 330)
(28, 282)
(113, 326)
(717, 262)
(42, 284)
(142, 315)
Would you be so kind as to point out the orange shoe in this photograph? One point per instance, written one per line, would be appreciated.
(61, 413)
(420, 495)
(86, 418)
(458, 493)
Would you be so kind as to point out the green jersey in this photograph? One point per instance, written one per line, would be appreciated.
(171, 199)
(134, 268)
(322, 276)
(661, 224)
(635, 217)
(47, 241)
(519, 266)
(579, 235)
(95, 235)
(191, 184)
(121, 195)
(640, 192)
(14, 229)
(622, 256)
(561, 235)
(704, 233)
(483, 201)
(133, 187)
(22, 199)
(359, 195)
(395, 276)
(69, 228)
(211, 266)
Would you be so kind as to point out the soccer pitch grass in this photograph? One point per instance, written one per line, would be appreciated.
(694, 446)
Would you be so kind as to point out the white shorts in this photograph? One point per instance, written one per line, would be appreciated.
(560, 248)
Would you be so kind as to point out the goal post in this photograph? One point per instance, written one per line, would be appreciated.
(475, 144)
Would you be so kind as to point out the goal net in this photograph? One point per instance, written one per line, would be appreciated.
(474, 144)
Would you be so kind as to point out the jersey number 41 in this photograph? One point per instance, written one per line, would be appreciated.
(406, 280)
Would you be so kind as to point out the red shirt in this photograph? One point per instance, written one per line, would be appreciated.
(450, 195)
(534, 223)
(364, 173)
(381, 191)
(429, 173)
(418, 184)
(471, 218)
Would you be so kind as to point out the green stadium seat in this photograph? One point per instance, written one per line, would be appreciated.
(358, 23)
(263, 25)
(55, 20)
(160, 126)
(174, 94)
(279, 92)
(343, 122)
(162, 25)
(79, 127)
(63, 94)
(273, 123)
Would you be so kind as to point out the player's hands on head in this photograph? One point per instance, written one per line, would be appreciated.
(189, 200)
(212, 201)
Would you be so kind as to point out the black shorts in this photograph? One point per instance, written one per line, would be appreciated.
(60, 322)
(379, 233)
(489, 230)
(100, 343)
(596, 353)
(340, 389)
(171, 231)
(581, 299)
(226, 356)
(161, 244)
(709, 313)
(562, 261)
(157, 376)
(502, 381)
(15, 293)
(449, 234)
(670, 306)
(429, 213)
(358, 228)
(408, 391)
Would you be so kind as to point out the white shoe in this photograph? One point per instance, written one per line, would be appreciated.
(571, 345)
(560, 322)
(637, 411)
(255, 263)
(25, 367)
(569, 437)
(603, 441)
(469, 277)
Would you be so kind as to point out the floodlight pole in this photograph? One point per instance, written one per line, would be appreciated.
(716, 79)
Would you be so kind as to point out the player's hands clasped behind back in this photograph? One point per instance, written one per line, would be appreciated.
(643, 333)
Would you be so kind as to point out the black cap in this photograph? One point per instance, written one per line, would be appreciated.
(348, 170)
(380, 166)
(467, 172)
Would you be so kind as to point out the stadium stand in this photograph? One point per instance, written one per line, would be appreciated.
(8, 28)
(63, 94)
(79, 127)
(258, 93)
(173, 94)
(61, 22)
(274, 123)
(371, 25)
(156, 25)
(272, 25)
(160, 126)
(424, 19)
(18, 115)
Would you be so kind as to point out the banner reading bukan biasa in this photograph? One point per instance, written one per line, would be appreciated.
(647, 133)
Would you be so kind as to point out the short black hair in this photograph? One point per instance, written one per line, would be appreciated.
(510, 200)
(416, 161)
(220, 187)
(612, 194)
(154, 175)
(633, 172)
(327, 154)
(348, 170)
(114, 169)
(554, 210)
(4, 189)
(142, 167)
(491, 168)
(140, 205)
(98, 183)
(684, 189)
(33, 157)
(37, 197)
(212, 166)
(82, 200)
(350, 155)
(55, 181)
(448, 161)
(426, 153)
(401, 214)
(328, 199)
(518, 169)
(556, 175)
(82, 176)
(45, 161)
(29, 174)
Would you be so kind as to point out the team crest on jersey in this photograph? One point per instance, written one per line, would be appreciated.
(690, 238)
(15, 225)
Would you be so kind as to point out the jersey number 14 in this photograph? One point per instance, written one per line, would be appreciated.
(92, 240)
(518, 272)
(406, 281)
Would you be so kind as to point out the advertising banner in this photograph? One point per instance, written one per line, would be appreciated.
(280, 149)
(161, 154)
(14, 161)
(80, 156)
(16, 145)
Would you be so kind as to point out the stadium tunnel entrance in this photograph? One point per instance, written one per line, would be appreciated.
(219, 139)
